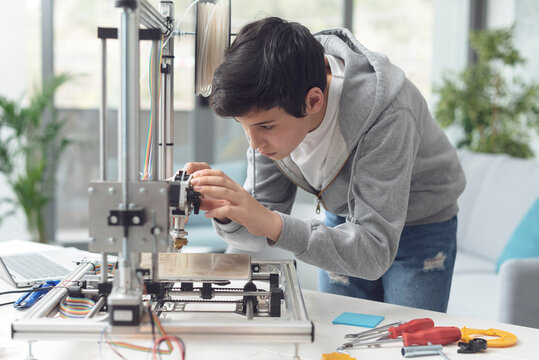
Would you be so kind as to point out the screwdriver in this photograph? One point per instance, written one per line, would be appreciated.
(373, 332)
(410, 326)
(441, 335)
(392, 332)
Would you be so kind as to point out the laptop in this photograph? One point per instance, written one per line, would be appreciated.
(25, 269)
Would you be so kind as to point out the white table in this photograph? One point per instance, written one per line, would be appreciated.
(322, 308)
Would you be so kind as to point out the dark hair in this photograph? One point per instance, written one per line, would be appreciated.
(270, 63)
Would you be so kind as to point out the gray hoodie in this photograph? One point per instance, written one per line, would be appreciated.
(389, 165)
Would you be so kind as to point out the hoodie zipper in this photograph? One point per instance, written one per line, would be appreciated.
(319, 195)
(318, 203)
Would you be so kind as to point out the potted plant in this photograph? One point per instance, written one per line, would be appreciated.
(28, 147)
(494, 107)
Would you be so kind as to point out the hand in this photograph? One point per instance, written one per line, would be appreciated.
(205, 201)
(224, 198)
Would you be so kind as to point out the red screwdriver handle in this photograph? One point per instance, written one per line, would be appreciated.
(410, 326)
(441, 335)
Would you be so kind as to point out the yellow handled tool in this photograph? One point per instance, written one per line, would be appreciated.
(337, 356)
(504, 339)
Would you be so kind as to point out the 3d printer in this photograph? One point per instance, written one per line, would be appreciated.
(141, 222)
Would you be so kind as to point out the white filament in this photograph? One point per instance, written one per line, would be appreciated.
(212, 40)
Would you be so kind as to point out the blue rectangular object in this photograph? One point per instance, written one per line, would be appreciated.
(356, 319)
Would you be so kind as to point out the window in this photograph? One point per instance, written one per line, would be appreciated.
(402, 30)
(316, 15)
(78, 51)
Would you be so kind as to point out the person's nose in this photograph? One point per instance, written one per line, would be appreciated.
(255, 140)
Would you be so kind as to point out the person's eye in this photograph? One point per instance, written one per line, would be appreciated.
(268, 127)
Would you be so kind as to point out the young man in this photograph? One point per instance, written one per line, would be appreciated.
(324, 113)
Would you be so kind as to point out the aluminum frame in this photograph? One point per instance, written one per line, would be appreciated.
(295, 328)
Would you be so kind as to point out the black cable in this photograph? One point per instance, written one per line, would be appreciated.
(151, 321)
(25, 291)
(29, 290)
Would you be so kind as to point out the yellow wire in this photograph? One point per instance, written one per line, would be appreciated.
(143, 348)
(148, 142)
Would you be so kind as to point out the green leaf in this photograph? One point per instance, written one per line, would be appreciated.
(27, 145)
(495, 111)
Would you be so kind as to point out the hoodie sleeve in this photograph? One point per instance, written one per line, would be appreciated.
(366, 244)
(265, 183)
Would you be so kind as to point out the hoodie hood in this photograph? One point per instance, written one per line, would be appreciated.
(370, 84)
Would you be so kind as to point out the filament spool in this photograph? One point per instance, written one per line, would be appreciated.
(211, 40)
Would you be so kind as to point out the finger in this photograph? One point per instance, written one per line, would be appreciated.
(226, 211)
(216, 181)
(192, 167)
(210, 204)
(223, 211)
(210, 172)
(220, 193)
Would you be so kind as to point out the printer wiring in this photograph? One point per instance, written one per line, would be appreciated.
(154, 349)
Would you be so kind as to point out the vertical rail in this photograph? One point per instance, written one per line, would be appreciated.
(128, 134)
(103, 114)
(156, 67)
(167, 98)
(104, 268)
(162, 127)
(47, 73)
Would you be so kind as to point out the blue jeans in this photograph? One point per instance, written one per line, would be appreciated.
(420, 275)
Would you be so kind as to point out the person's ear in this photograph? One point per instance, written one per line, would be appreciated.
(314, 100)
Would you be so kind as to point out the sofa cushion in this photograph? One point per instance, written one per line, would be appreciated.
(500, 189)
(524, 242)
(475, 295)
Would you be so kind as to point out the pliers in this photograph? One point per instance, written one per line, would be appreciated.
(31, 297)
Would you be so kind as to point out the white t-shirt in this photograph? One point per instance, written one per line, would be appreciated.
(310, 155)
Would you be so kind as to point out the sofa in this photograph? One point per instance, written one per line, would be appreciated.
(496, 273)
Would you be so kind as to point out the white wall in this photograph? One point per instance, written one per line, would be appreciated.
(500, 13)
(524, 14)
(12, 36)
(12, 84)
(450, 48)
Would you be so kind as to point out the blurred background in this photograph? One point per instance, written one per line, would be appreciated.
(43, 37)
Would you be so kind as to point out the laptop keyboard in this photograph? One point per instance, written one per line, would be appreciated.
(34, 266)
